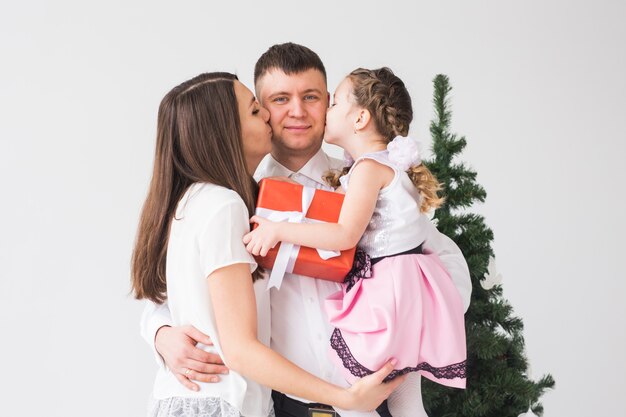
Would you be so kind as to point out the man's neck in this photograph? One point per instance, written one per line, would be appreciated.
(293, 161)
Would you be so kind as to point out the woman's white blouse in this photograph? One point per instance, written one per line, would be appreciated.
(206, 234)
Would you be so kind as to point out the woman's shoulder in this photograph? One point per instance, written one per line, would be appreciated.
(214, 191)
(209, 198)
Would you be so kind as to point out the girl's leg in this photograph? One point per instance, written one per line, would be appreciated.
(406, 400)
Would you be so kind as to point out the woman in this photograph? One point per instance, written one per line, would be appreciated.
(211, 135)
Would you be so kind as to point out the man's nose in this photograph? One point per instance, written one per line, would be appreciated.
(297, 108)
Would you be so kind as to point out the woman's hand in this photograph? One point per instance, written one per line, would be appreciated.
(260, 240)
(369, 392)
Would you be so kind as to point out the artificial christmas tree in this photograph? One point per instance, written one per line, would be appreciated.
(498, 384)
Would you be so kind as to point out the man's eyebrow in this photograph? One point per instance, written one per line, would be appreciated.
(286, 93)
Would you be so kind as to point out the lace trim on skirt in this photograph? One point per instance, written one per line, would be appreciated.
(456, 370)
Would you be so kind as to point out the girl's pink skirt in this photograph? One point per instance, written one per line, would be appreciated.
(409, 310)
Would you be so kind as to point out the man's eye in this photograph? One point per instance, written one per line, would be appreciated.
(280, 100)
(310, 98)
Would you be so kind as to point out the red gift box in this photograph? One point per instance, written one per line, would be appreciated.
(286, 201)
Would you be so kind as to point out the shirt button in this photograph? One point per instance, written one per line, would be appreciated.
(319, 336)
(311, 300)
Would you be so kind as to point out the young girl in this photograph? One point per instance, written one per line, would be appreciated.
(397, 302)
(211, 136)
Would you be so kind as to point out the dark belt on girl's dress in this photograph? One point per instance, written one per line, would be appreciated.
(415, 251)
(288, 407)
(363, 263)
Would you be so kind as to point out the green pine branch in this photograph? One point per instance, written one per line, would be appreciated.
(498, 384)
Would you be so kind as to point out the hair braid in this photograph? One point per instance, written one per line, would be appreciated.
(387, 99)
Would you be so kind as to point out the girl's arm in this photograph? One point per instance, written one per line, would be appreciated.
(234, 305)
(367, 179)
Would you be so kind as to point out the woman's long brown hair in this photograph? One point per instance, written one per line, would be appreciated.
(198, 140)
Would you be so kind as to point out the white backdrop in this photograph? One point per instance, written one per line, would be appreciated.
(539, 91)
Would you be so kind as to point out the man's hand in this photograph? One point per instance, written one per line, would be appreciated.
(263, 238)
(177, 346)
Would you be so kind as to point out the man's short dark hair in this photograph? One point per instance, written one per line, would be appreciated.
(290, 58)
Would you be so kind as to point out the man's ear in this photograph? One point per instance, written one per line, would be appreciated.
(363, 119)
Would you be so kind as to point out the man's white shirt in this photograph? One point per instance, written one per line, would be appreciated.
(300, 330)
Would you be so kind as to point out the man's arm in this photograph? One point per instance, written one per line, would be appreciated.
(175, 347)
(452, 258)
(154, 317)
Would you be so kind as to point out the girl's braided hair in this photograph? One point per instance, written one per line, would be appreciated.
(387, 99)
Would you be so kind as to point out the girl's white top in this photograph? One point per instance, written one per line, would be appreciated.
(397, 224)
(206, 235)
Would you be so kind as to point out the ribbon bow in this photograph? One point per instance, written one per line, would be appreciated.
(288, 252)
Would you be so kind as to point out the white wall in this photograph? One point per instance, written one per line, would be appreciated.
(539, 91)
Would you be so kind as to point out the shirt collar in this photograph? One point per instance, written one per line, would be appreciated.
(313, 169)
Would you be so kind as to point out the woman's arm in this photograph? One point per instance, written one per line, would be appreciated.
(234, 306)
(366, 181)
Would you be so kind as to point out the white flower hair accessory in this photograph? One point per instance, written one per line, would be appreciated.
(404, 151)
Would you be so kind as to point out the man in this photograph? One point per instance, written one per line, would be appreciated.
(290, 82)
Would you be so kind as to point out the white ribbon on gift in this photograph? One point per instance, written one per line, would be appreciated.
(288, 252)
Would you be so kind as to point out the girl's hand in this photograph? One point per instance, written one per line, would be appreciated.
(260, 240)
(369, 392)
